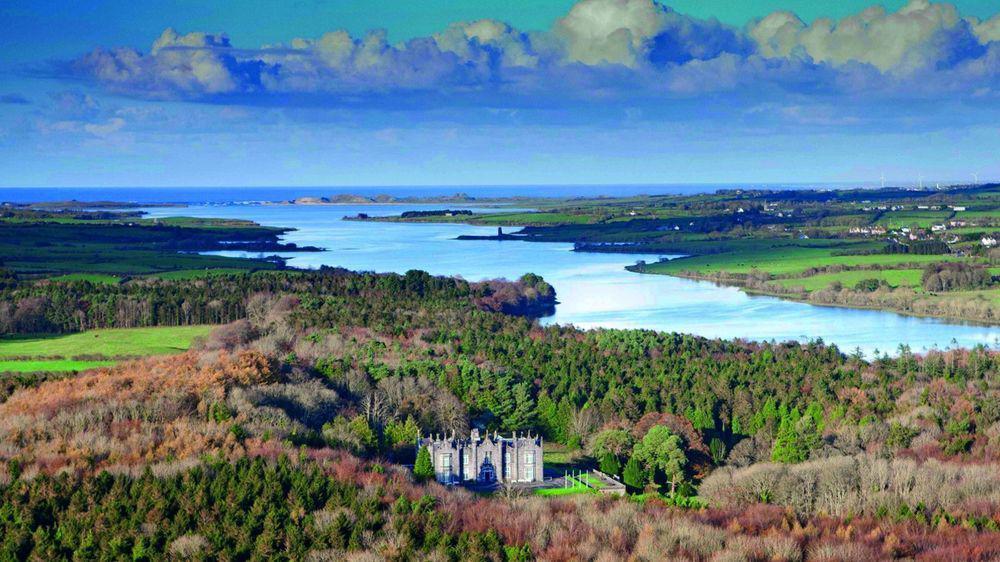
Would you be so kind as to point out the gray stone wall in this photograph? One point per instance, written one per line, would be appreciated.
(483, 459)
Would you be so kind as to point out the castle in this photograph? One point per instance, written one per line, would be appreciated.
(485, 460)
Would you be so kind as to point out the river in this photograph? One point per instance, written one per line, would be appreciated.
(594, 290)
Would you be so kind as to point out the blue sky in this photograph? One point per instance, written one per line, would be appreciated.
(515, 92)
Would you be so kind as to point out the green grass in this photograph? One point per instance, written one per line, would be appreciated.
(92, 277)
(894, 277)
(589, 480)
(920, 218)
(784, 259)
(34, 366)
(563, 491)
(196, 273)
(108, 343)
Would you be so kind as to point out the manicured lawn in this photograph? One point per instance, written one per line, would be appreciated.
(588, 479)
(33, 366)
(563, 491)
(109, 343)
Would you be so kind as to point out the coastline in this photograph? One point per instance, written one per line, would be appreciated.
(791, 297)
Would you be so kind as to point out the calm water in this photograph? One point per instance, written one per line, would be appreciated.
(593, 289)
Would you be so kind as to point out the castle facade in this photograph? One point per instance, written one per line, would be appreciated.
(485, 459)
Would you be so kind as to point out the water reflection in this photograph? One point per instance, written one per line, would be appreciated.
(594, 289)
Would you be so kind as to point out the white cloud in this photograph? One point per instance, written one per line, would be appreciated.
(988, 30)
(919, 35)
(602, 50)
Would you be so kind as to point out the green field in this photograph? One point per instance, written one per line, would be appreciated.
(196, 273)
(782, 260)
(549, 492)
(92, 277)
(101, 343)
(894, 277)
(920, 218)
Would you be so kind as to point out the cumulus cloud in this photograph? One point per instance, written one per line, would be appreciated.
(600, 51)
(988, 30)
(634, 32)
(919, 35)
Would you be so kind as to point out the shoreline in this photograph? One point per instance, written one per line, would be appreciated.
(788, 297)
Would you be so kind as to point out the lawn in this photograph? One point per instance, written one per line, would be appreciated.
(563, 491)
(107, 343)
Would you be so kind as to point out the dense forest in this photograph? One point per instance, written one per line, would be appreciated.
(68, 306)
(762, 451)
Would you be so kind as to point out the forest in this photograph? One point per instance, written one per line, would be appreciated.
(315, 385)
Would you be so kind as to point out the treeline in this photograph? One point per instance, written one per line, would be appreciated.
(435, 213)
(957, 276)
(70, 306)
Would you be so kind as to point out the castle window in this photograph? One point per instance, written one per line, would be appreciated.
(445, 462)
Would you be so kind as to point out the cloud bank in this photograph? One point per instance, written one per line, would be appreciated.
(600, 52)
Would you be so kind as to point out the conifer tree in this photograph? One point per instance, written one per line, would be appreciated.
(423, 469)
(610, 464)
(634, 476)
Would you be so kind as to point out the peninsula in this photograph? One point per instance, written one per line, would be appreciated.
(926, 252)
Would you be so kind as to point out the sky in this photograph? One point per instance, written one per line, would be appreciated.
(341, 93)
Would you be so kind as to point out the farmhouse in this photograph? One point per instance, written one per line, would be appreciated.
(485, 459)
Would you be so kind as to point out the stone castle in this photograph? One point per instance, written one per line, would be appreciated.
(485, 459)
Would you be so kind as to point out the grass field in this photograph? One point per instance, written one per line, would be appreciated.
(196, 273)
(894, 277)
(787, 260)
(106, 343)
(92, 277)
(920, 218)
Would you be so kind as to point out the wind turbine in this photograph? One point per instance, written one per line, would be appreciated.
(975, 179)
(920, 180)
(883, 180)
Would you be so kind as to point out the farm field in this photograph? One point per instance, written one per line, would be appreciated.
(93, 348)
(894, 277)
(786, 260)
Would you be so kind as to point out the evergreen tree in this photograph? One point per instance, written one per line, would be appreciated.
(718, 450)
(784, 449)
(423, 469)
(523, 414)
(611, 465)
(634, 475)
(797, 437)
